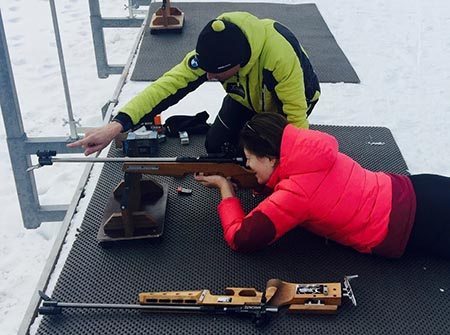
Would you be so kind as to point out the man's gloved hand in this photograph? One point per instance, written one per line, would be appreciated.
(97, 139)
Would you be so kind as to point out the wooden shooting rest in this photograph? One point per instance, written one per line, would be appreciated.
(167, 18)
(323, 298)
(136, 210)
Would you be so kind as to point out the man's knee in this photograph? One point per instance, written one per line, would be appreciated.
(213, 143)
(216, 144)
(223, 136)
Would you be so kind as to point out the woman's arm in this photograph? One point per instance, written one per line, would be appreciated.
(271, 219)
(232, 215)
(224, 185)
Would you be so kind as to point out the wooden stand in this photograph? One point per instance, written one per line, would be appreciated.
(135, 210)
(167, 18)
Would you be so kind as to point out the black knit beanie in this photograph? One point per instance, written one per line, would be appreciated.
(221, 45)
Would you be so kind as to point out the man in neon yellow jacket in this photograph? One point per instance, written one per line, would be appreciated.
(259, 62)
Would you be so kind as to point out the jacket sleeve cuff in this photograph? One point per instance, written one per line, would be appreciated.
(124, 120)
(231, 215)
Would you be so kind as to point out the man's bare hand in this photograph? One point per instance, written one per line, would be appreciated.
(97, 139)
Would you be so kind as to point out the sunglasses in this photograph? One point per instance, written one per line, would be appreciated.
(247, 124)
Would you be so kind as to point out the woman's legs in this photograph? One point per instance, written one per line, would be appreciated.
(431, 229)
(227, 126)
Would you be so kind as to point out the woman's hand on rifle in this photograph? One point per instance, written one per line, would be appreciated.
(225, 186)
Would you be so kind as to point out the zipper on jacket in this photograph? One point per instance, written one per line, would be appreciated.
(248, 93)
(263, 99)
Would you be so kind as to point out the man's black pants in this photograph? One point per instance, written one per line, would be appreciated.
(228, 124)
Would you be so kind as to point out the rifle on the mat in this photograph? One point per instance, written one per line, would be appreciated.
(220, 164)
(310, 298)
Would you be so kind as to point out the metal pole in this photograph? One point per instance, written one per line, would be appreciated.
(131, 7)
(97, 25)
(16, 137)
(71, 122)
(98, 39)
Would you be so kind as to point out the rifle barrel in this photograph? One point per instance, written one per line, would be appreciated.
(52, 306)
(155, 307)
(113, 159)
(181, 159)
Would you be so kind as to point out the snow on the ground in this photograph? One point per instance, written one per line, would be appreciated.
(400, 50)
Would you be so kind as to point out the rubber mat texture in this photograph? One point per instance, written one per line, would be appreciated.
(406, 296)
(159, 53)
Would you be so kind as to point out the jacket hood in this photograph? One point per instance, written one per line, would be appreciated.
(253, 29)
(306, 151)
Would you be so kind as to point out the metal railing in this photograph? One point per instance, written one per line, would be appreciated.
(98, 23)
(20, 146)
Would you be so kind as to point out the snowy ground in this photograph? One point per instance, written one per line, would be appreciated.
(400, 50)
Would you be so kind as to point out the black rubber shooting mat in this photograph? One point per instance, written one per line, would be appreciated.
(406, 296)
(159, 53)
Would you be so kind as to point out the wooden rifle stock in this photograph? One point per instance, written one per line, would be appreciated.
(306, 298)
(311, 298)
(182, 166)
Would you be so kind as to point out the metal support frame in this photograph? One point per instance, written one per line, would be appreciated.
(71, 122)
(98, 23)
(22, 147)
(133, 7)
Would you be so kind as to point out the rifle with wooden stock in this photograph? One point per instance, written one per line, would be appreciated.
(323, 298)
(136, 208)
(217, 164)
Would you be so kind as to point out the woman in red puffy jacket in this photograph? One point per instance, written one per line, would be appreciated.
(315, 186)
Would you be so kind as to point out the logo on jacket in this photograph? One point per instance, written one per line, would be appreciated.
(193, 62)
(235, 88)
